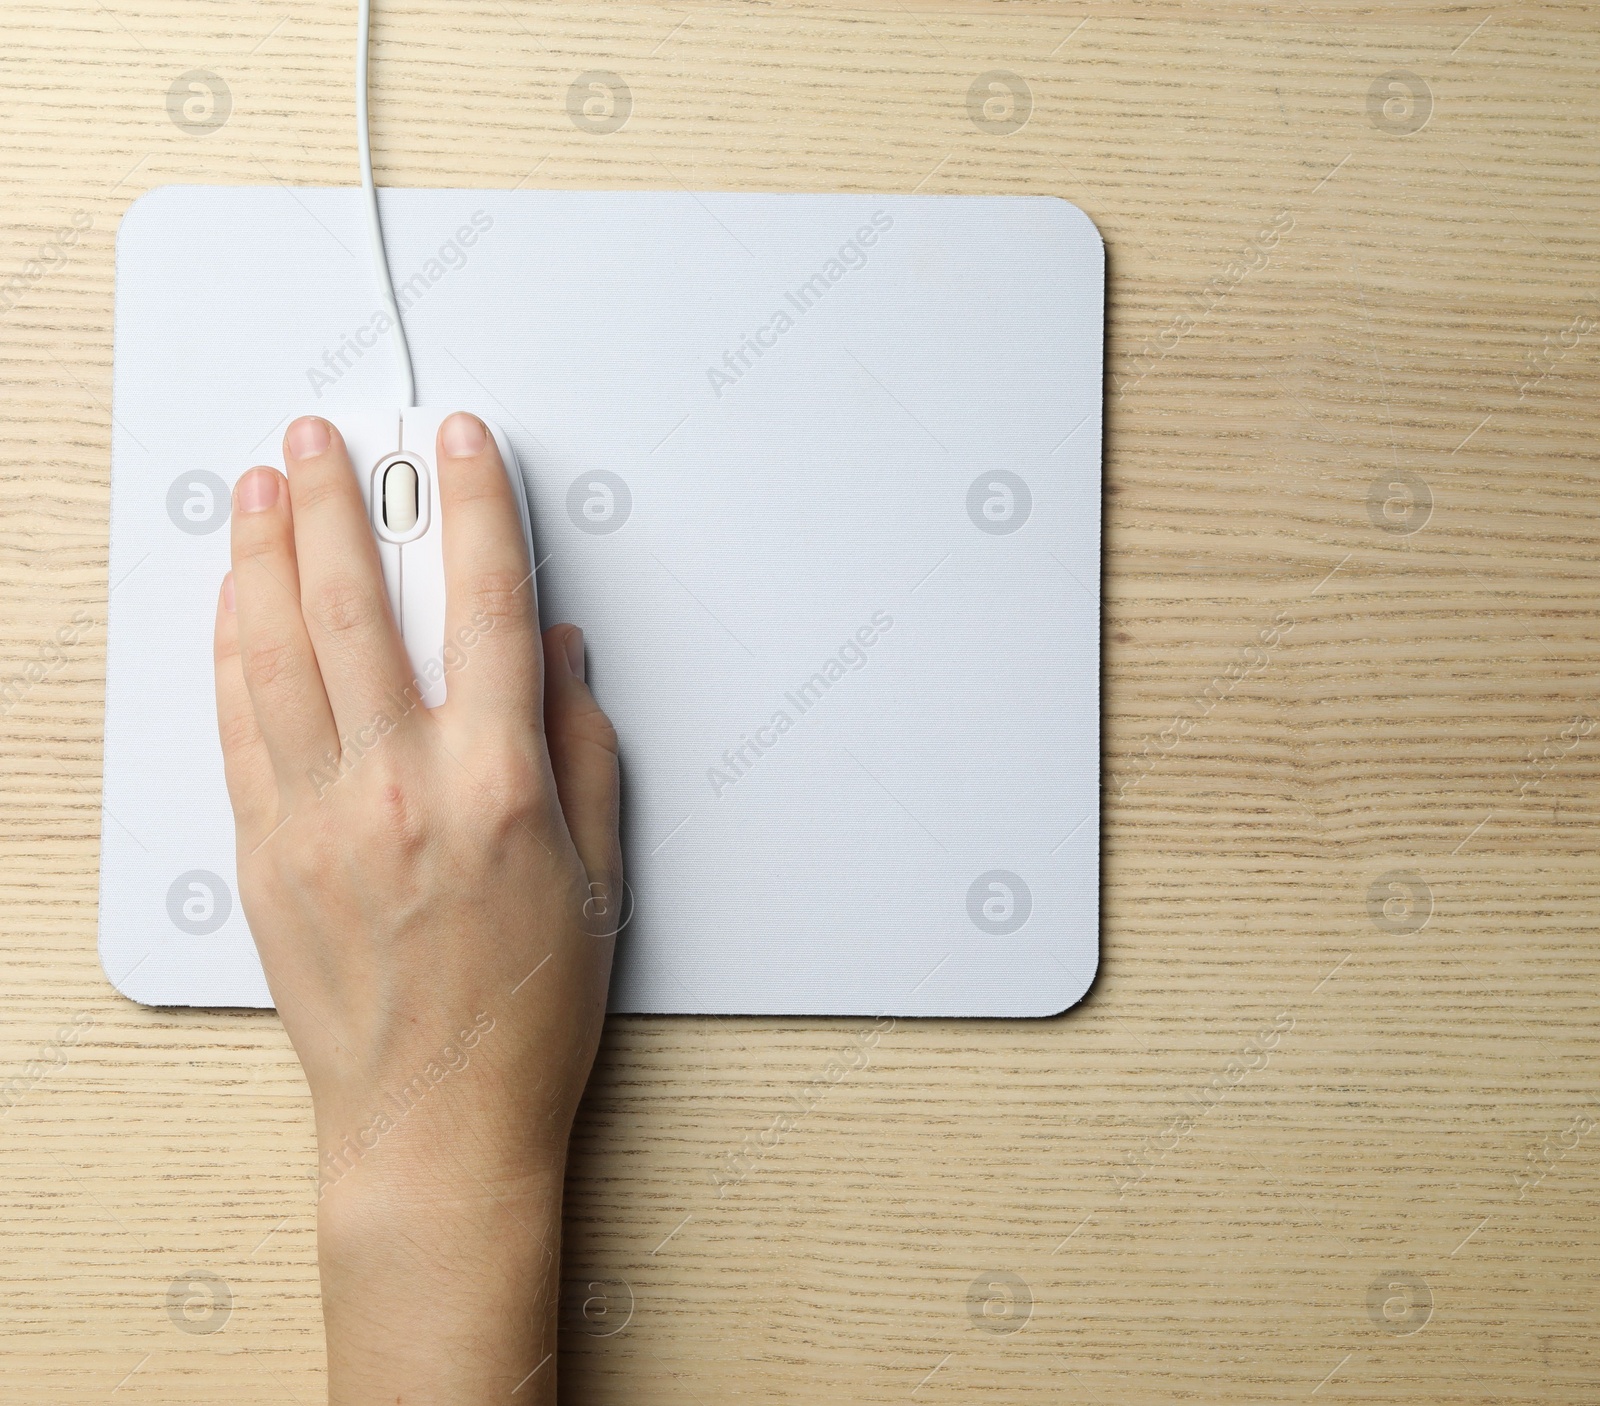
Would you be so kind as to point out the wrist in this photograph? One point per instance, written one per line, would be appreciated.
(363, 1203)
(462, 1142)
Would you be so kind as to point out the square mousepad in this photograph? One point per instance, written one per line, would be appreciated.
(819, 476)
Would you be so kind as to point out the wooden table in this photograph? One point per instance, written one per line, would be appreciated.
(1327, 1126)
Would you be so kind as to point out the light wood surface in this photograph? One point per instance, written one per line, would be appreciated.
(1286, 1119)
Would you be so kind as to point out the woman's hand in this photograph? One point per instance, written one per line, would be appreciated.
(434, 895)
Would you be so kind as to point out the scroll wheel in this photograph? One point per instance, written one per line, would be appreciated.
(400, 497)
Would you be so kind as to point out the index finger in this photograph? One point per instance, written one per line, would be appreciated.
(342, 592)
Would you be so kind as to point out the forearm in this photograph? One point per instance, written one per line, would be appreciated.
(441, 1300)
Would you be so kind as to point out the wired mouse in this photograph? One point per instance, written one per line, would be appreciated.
(394, 455)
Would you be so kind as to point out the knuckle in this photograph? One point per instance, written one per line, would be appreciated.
(474, 481)
(498, 595)
(516, 783)
(589, 727)
(386, 819)
(345, 604)
(238, 732)
(252, 544)
(399, 817)
(317, 834)
(314, 488)
(267, 663)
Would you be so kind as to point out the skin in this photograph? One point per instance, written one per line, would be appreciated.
(434, 895)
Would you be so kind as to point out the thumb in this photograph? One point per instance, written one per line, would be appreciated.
(583, 756)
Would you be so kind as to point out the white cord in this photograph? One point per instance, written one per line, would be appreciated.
(380, 260)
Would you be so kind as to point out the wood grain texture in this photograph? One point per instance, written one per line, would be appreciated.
(1295, 1143)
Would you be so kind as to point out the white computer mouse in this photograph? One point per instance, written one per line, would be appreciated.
(393, 453)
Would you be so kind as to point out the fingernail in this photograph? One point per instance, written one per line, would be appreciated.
(574, 647)
(463, 436)
(257, 491)
(227, 593)
(308, 437)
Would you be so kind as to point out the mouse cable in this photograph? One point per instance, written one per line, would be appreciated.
(380, 260)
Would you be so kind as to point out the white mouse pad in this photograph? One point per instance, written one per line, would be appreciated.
(819, 476)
